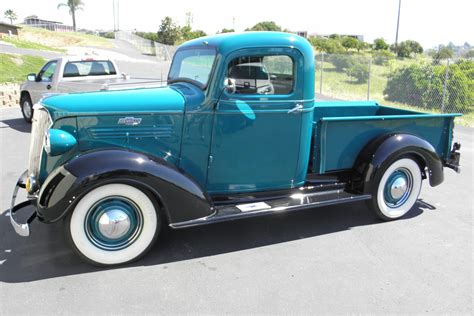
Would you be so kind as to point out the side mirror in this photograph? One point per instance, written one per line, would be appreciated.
(229, 85)
(273, 77)
(31, 77)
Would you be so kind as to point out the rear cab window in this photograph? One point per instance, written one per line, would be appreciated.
(272, 74)
(84, 68)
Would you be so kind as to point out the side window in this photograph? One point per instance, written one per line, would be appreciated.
(47, 72)
(272, 74)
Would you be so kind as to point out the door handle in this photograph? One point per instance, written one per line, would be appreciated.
(297, 109)
(48, 87)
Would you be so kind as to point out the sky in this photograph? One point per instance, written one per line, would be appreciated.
(429, 22)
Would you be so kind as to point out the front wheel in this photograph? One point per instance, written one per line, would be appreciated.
(26, 108)
(113, 224)
(396, 189)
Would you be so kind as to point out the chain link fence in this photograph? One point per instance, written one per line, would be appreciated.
(148, 47)
(442, 86)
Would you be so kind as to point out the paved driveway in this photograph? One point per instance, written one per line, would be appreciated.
(334, 260)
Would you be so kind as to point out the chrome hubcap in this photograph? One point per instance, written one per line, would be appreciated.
(113, 223)
(398, 187)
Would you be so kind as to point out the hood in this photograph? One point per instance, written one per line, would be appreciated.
(148, 100)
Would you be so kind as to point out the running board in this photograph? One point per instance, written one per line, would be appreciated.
(295, 202)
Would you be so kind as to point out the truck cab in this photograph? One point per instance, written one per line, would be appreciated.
(236, 133)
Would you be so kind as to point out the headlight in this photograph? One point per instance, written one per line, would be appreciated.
(58, 142)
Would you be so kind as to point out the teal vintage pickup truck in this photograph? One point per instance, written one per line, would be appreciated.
(235, 133)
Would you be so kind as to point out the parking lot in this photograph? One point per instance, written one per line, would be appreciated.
(337, 259)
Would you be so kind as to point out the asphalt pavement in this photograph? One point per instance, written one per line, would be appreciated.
(337, 259)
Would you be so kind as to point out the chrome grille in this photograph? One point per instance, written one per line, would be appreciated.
(40, 125)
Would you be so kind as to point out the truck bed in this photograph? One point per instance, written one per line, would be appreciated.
(342, 129)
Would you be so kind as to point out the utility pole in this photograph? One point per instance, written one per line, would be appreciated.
(398, 23)
(118, 15)
(113, 11)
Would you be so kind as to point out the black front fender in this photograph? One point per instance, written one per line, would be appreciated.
(384, 149)
(181, 198)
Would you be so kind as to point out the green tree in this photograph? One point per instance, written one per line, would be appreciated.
(73, 6)
(362, 45)
(11, 15)
(444, 52)
(265, 26)
(225, 30)
(469, 54)
(415, 47)
(186, 32)
(380, 44)
(407, 48)
(327, 45)
(169, 32)
(349, 42)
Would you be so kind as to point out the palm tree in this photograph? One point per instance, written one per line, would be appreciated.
(73, 6)
(10, 14)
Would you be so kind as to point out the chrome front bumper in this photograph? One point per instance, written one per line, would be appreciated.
(22, 229)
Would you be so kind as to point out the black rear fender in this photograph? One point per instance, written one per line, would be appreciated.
(180, 197)
(386, 148)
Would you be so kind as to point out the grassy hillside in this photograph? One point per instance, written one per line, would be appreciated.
(30, 45)
(15, 68)
(43, 39)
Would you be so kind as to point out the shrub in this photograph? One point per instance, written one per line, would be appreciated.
(359, 71)
(422, 85)
(382, 57)
(109, 35)
(341, 62)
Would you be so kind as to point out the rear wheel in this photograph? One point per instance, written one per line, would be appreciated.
(396, 189)
(26, 107)
(113, 224)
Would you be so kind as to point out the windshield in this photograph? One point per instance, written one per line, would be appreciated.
(192, 64)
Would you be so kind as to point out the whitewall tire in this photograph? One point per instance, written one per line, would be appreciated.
(396, 189)
(113, 224)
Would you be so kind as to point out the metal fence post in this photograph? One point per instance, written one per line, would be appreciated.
(321, 75)
(368, 80)
(446, 76)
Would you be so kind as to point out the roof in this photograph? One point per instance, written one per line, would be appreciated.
(10, 25)
(35, 17)
(228, 42)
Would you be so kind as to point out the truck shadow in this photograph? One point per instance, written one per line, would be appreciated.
(46, 255)
(18, 124)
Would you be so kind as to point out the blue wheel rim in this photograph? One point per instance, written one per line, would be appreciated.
(397, 177)
(104, 206)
